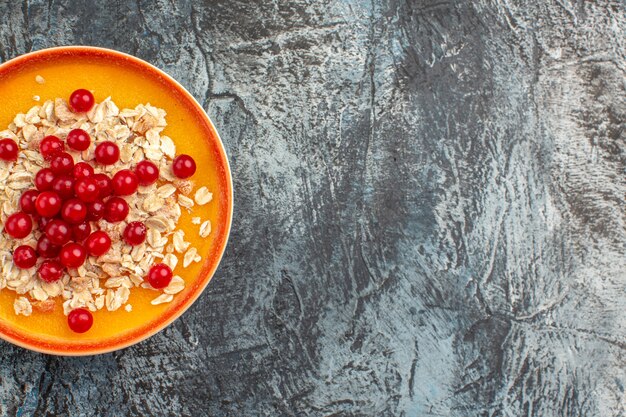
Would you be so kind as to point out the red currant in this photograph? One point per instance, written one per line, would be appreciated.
(63, 186)
(125, 182)
(24, 257)
(159, 276)
(44, 179)
(82, 170)
(74, 211)
(87, 189)
(183, 166)
(50, 146)
(8, 149)
(98, 243)
(115, 209)
(73, 255)
(80, 320)
(27, 201)
(42, 221)
(18, 225)
(58, 232)
(135, 233)
(48, 204)
(107, 153)
(147, 172)
(104, 184)
(62, 163)
(50, 271)
(95, 210)
(47, 249)
(81, 231)
(78, 140)
(81, 100)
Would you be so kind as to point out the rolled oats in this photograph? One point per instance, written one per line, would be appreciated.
(168, 147)
(46, 306)
(189, 257)
(155, 239)
(170, 260)
(157, 223)
(203, 196)
(178, 240)
(205, 228)
(161, 299)
(185, 201)
(184, 186)
(22, 306)
(106, 281)
(176, 285)
(62, 111)
(166, 190)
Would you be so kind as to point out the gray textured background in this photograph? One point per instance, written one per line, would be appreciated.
(429, 210)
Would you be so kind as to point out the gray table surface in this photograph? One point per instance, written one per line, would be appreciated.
(429, 210)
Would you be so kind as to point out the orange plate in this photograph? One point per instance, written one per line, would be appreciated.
(129, 81)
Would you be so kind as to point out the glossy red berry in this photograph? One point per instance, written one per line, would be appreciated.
(48, 204)
(98, 243)
(87, 189)
(8, 149)
(27, 201)
(24, 257)
(135, 233)
(184, 166)
(42, 221)
(104, 184)
(72, 255)
(18, 225)
(78, 140)
(63, 185)
(50, 271)
(58, 231)
(74, 211)
(159, 276)
(81, 100)
(80, 320)
(125, 182)
(82, 170)
(81, 231)
(115, 209)
(147, 172)
(50, 146)
(107, 153)
(44, 179)
(95, 210)
(47, 249)
(62, 163)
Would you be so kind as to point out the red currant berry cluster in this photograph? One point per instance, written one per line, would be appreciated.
(69, 196)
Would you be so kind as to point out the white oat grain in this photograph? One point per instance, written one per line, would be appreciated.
(161, 299)
(205, 229)
(203, 196)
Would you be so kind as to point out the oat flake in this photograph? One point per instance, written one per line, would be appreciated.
(205, 229)
(203, 196)
(161, 299)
